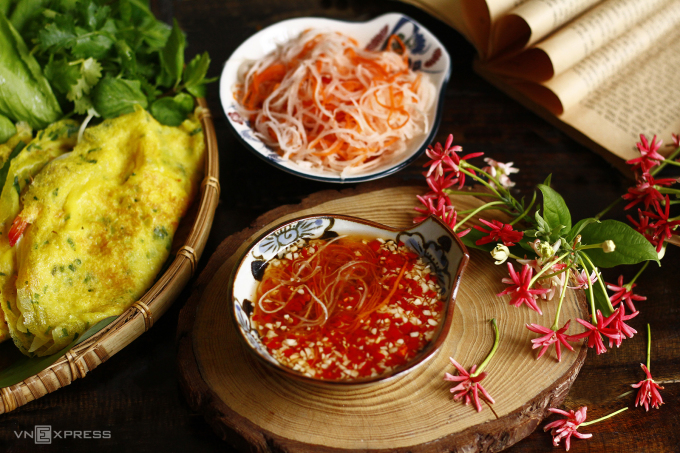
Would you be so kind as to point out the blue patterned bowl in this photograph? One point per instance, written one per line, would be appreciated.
(428, 55)
(430, 239)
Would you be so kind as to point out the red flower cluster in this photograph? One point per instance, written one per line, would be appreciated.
(468, 387)
(613, 327)
(500, 232)
(567, 427)
(649, 391)
(444, 172)
(520, 288)
(654, 221)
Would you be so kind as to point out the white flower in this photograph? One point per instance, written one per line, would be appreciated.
(608, 246)
(501, 171)
(500, 253)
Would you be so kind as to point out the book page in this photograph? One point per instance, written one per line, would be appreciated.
(472, 18)
(449, 12)
(578, 39)
(643, 99)
(533, 21)
(576, 83)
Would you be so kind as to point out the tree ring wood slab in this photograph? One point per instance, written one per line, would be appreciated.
(257, 410)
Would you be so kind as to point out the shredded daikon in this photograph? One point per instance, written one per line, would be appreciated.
(326, 104)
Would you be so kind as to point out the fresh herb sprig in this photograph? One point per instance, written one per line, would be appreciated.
(101, 58)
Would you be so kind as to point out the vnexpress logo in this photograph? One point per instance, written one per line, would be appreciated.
(43, 434)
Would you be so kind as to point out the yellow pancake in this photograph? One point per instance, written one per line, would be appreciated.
(52, 142)
(101, 223)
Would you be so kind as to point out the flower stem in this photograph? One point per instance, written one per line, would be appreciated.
(604, 418)
(474, 194)
(607, 209)
(496, 341)
(481, 208)
(630, 283)
(545, 268)
(526, 211)
(649, 344)
(481, 181)
(559, 305)
(670, 158)
(590, 291)
(599, 280)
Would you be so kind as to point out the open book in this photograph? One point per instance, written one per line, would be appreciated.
(604, 71)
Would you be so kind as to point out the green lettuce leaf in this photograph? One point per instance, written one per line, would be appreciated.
(25, 94)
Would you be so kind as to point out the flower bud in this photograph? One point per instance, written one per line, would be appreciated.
(662, 252)
(545, 250)
(500, 253)
(608, 246)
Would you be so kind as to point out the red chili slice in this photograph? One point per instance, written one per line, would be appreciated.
(16, 230)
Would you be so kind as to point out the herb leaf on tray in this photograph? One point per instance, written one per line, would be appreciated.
(100, 58)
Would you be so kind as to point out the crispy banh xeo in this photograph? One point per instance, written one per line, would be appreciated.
(29, 158)
(99, 226)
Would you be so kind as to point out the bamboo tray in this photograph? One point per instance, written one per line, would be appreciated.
(257, 410)
(188, 246)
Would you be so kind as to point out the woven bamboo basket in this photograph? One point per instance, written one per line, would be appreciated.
(141, 316)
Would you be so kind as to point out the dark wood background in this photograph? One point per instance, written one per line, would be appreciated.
(135, 395)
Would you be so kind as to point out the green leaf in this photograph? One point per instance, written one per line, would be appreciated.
(25, 93)
(172, 111)
(631, 246)
(172, 57)
(555, 211)
(57, 35)
(4, 170)
(548, 180)
(196, 70)
(62, 75)
(113, 97)
(94, 44)
(576, 229)
(25, 367)
(25, 11)
(7, 130)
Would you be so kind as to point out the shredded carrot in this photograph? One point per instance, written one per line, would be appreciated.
(326, 104)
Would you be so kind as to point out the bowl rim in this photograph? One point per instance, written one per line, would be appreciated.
(437, 118)
(423, 356)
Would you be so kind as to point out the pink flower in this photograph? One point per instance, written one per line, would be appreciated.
(439, 183)
(441, 157)
(649, 157)
(643, 228)
(646, 191)
(582, 279)
(565, 428)
(594, 333)
(442, 209)
(499, 232)
(468, 387)
(648, 395)
(663, 226)
(519, 288)
(618, 323)
(624, 293)
(500, 171)
(549, 337)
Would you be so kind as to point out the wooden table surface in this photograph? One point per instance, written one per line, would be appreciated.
(135, 395)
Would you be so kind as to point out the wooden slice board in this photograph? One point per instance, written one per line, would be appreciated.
(257, 410)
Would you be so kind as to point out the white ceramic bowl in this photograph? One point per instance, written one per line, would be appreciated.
(431, 239)
(428, 55)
